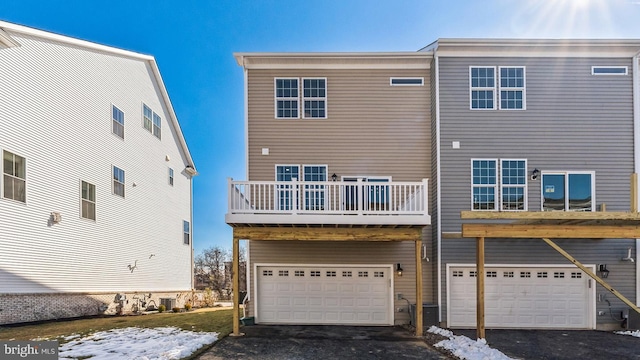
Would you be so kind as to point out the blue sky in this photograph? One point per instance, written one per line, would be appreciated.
(193, 42)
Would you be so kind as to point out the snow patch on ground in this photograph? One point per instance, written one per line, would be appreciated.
(137, 343)
(632, 333)
(465, 348)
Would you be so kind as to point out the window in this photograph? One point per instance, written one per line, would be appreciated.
(315, 98)
(513, 185)
(157, 125)
(118, 181)
(286, 98)
(186, 236)
(286, 192)
(568, 191)
(14, 179)
(147, 114)
(484, 184)
(482, 87)
(314, 195)
(512, 91)
(88, 195)
(404, 81)
(117, 117)
(609, 70)
(171, 176)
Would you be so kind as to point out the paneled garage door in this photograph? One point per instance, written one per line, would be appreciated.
(523, 297)
(324, 294)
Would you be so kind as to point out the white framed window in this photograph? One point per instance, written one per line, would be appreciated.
(186, 232)
(314, 195)
(406, 81)
(171, 176)
(484, 184)
(568, 190)
(287, 194)
(157, 125)
(314, 98)
(513, 185)
(482, 87)
(512, 88)
(88, 200)
(287, 98)
(118, 181)
(147, 115)
(14, 179)
(609, 70)
(117, 118)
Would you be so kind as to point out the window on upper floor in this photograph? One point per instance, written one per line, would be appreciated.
(151, 121)
(512, 91)
(118, 181)
(406, 81)
(186, 233)
(288, 94)
(507, 183)
(117, 117)
(157, 125)
(609, 70)
(14, 177)
(88, 200)
(171, 176)
(483, 87)
(568, 191)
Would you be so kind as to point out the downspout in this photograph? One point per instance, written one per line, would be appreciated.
(438, 186)
(246, 153)
(192, 232)
(636, 153)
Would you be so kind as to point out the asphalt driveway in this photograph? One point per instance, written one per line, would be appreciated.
(322, 342)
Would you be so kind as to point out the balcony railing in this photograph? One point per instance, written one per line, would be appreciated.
(339, 202)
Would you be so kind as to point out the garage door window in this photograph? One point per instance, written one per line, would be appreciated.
(568, 191)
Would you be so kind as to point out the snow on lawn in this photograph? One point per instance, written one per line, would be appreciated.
(632, 333)
(136, 343)
(465, 348)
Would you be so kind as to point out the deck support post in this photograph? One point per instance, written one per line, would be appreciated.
(634, 193)
(236, 286)
(419, 310)
(480, 331)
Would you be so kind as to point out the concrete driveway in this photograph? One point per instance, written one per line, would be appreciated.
(322, 342)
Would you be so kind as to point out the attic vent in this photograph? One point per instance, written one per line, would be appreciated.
(405, 81)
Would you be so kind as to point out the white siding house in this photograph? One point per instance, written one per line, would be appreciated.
(95, 197)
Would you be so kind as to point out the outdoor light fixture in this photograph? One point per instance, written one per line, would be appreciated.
(604, 272)
(334, 177)
(534, 174)
(398, 269)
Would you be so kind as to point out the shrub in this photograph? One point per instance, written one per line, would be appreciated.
(176, 309)
(162, 308)
(187, 306)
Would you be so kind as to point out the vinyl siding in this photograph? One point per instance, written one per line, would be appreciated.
(573, 121)
(55, 110)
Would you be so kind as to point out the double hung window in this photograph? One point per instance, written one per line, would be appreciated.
(14, 177)
(118, 181)
(288, 94)
(506, 88)
(287, 193)
(314, 195)
(88, 200)
(117, 118)
(151, 121)
(512, 88)
(483, 87)
(186, 232)
(508, 183)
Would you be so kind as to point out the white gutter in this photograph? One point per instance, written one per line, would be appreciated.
(636, 154)
(438, 186)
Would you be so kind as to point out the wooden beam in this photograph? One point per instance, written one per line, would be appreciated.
(328, 234)
(634, 193)
(236, 286)
(549, 215)
(591, 274)
(419, 310)
(480, 330)
(551, 231)
(451, 235)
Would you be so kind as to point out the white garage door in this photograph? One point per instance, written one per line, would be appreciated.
(523, 297)
(324, 294)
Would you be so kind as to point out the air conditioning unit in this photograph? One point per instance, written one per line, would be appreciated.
(169, 303)
(633, 321)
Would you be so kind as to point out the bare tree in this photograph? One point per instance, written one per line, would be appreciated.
(210, 269)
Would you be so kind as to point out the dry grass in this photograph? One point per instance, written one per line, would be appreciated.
(208, 320)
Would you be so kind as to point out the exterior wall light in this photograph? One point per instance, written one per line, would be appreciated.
(398, 269)
(334, 177)
(534, 174)
(604, 272)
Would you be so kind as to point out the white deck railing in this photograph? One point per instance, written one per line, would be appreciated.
(328, 198)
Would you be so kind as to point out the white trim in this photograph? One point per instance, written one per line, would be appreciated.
(636, 152)
(566, 174)
(303, 98)
(385, 266)
(391, 79)
(495, 186)
(246, 123)
(525, 185)
(438, 187)
(592, 289)
(276, 98)
(523, 88)
(480, 88)
(626, 70)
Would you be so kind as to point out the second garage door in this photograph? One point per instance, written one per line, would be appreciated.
(523, 297)
(324, 294)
